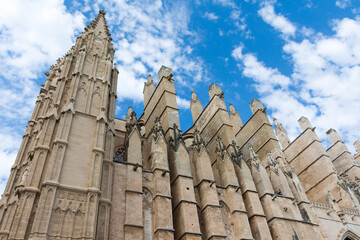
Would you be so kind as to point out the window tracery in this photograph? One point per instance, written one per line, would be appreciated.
(120, 154)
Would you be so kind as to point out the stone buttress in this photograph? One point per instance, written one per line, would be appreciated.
(81, 173)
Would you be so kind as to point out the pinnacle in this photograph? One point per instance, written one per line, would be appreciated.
(194, 97)
(149, 80)
(277, 123)
(95, 24)
(232, 109)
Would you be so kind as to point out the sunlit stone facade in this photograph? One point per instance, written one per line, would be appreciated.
(81, 173)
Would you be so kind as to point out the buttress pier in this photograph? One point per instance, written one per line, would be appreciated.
(81, 173)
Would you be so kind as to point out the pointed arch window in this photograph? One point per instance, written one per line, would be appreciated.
(120, 154)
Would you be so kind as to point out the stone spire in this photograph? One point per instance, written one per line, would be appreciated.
(128, 115)
(215, 89)
(149, 88)
(71, 146)
(281, 133)
(99, 24)
(333, 136)
(235, 118)
(195, 106)
(256, 105)
(304, 123)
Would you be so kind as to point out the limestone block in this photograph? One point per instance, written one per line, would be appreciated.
(357, 145)
(195, 106)
(164, 72)
(213, 90)
(186, 221)
(184, 190)
(304, 123)
(255, 105)
(333, 136)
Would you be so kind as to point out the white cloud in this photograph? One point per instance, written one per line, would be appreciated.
(237, 52)
(32, 41)
(323, 86)
(343, 3)
(211, 16)
(225, 3)
(32, 36)
(147, 35)
(278, 21)
(182, 103)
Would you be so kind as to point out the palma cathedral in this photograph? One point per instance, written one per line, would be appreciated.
(81, 173)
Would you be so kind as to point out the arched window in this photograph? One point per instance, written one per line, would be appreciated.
(120, 154)
(349, 235)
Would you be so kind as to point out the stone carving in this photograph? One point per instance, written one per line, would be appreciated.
(237, 155)
(254, 158)
(220, 148)
(66, 92)
(82, 86)
(177, 139)
(74, 194)
(346, 183)
(97, 91)
(67, 199)
(69, 208)
(272, 163)
(157, 129)
(25, 174)
(198, 143)
(288, 170)
(133, 122)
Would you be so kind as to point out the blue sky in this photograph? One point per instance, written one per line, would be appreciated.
(300, 58)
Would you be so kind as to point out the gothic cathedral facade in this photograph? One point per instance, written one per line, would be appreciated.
(81, 173)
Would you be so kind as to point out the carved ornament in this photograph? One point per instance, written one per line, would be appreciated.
(237, 155)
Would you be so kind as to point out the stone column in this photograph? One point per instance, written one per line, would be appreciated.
(256, 215)
(195, 106)
(229, 181)
(133, 226)
(204, 182)
(185, 215)
(162, 208)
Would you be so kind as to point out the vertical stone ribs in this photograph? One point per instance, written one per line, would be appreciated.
(185, 213)
(58, 187)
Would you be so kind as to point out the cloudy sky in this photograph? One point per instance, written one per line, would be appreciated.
(300, 58)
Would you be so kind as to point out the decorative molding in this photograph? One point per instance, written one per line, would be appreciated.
(176, 139)
(237, 155)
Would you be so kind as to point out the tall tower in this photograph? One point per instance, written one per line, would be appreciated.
(81, 173)
(54, 187)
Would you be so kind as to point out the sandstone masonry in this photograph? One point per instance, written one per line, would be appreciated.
(81, 173)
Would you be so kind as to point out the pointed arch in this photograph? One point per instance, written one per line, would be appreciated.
(55, 222)
(78, 224)
(226, 216)
(349, 235)
(68, 218)
(120, 154)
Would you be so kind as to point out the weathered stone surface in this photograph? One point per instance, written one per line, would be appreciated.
(82, 174)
